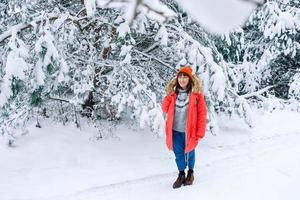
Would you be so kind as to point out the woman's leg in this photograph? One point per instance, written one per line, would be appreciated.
(178, 148)
(191, 159)
(191, 163)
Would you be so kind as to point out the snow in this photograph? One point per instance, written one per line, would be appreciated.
(125, 49)
(158, 11)
(123, 29)
(63, 162)
(39, 73)
(295, 86)
(15, 66)
(218, 82)
(10, 31)
(144, 118)
(216, 15)
(66, 163)
(140, 24)
(126, 60)
(284, 21)
(219, 16)
(159, 7)
(90, 6)
(130, 11)
(162, 36)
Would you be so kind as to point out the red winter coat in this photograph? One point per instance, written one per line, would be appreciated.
(196, 115)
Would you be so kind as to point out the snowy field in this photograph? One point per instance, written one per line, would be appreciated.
(64, 163)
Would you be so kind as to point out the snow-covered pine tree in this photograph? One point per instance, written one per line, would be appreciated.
(218, 79)
(41, 70)
(268, 52)
(81, 58)
(91, 62)
(177, 42)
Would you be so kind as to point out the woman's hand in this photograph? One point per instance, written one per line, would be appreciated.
(165, 116)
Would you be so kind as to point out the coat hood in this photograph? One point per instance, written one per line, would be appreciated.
(197, 88)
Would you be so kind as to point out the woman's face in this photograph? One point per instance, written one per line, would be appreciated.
(183, 80)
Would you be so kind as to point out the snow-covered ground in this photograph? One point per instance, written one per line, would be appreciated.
(64, 163)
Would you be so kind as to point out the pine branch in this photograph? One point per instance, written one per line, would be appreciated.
(137, 3)
(258, 93)
(20, 115)
(110, 1)
(58, 99)
(17, 27)
(20, 27)
(152, 47)
(80, 11)
(152, 57)
(136, 81)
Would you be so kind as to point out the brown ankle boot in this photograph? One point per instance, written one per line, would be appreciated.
(179, 181)
(190, 178)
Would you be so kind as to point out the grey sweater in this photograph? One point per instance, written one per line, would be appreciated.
(181, 107)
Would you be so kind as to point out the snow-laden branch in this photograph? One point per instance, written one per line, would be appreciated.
(17, 28)
(152, 57)
(258, 93)
(243, 96)
(23, 26)
(220, 16)
(110, 1)
(136, 81)
(152, 47)
(153, 8)
(21, 112)
(58, 99)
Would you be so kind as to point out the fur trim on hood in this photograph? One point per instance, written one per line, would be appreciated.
(197, 88)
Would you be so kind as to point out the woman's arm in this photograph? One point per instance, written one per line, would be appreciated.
(166, 103)
(201, 114)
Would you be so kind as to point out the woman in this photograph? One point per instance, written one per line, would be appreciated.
(185, 111)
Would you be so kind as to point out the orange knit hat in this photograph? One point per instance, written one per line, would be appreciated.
(186, 70)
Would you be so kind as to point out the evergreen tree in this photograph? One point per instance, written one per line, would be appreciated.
(278, 28)
(71, 59)
(268, 51)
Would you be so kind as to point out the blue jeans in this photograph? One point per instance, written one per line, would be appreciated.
(182, 159)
